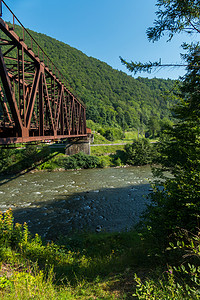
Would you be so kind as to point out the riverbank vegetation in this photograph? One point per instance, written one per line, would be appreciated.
(44, 157)
(101, 266)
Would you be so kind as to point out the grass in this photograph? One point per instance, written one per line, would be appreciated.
(128, 138)
(126, 265)
(111, 149)
(105, 150)
(87, 266)
(99, 139)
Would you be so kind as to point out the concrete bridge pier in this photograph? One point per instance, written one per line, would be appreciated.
(77, 145)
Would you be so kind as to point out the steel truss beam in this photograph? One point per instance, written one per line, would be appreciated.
(34, 103)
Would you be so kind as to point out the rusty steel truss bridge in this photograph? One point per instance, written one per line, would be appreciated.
(36, 102)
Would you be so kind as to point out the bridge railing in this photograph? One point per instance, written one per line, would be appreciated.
(41, 54)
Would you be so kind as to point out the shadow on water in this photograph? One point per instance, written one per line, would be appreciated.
(107, 209)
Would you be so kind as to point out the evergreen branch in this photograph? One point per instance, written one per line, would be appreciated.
(147, 67)
(193, 26)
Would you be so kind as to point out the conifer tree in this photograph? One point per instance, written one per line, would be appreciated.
(176, 200)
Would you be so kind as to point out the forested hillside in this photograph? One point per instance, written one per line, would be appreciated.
(112, 97)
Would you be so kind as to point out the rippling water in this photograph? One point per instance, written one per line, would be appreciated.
(55, 203)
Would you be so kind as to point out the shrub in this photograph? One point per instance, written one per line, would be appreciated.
(117, 162)
(70, 163)
(92, 162)
(104, 161)
(10, 234)
(111, 133)
(78, 161)
(169, 286)
(29, 155)
(177, 282)
(139, 153)
(6, 158)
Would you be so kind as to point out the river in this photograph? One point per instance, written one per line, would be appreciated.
(56, 203)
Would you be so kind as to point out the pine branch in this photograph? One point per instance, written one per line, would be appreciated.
(136, 67)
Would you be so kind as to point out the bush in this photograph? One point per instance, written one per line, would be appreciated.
(177, 282)
(111, 133)
(29, 155)
(10, 234)
(6, 158)
(78, 161)
(49, 165)
(139, 153)
(104, 161)
(17, 160)
(117, 162)
(92, 162)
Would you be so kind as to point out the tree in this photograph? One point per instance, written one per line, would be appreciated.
(176, 200)
(153, 126)
(176, 203)
(104, 89)
(139, 153)
(173, 16)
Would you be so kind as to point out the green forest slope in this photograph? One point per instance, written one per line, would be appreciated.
(112, 97)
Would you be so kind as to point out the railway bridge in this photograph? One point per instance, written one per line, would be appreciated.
(36, 101)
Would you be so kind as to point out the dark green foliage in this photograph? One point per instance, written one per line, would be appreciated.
(178, 204)
(111, 134)
(112, 97)
(119, 158)
(176, 197)
(156, 127)
(6, 158)
(78, 161)
(68, 163)
(29, 155)
(139, 153)
(175, 16)
(85, 161)
(153, 126)
(18, 160)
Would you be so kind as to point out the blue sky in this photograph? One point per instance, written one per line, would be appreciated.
(103, 29)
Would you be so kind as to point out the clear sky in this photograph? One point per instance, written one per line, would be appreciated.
(104, 29)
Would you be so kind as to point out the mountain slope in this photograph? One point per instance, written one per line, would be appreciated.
(111, 96)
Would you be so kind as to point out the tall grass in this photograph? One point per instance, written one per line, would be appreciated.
(123, 265)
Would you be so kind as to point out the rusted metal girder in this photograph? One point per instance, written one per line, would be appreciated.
(35, 104)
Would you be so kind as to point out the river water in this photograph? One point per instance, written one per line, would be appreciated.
(56, 203)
